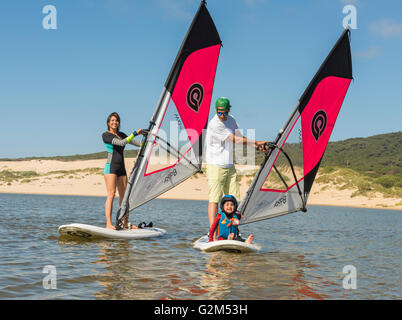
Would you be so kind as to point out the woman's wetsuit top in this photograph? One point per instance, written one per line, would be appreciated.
(115, 145)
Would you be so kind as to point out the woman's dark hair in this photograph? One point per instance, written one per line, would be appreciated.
(113, 114)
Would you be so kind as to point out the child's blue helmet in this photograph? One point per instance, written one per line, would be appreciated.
(229, 197)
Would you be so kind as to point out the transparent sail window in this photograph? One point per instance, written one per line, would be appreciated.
(280, 177)
(171, 145)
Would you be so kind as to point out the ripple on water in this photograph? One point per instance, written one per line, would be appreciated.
(302, 255)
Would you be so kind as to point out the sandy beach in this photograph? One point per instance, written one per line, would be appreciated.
(85, 178)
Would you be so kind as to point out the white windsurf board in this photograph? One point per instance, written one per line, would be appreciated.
(93, 232)
(225, 245)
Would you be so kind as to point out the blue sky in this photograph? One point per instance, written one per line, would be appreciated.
(58, 86)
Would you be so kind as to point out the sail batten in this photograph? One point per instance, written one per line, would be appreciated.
(284, 180)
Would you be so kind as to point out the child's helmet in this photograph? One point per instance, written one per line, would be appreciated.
(229, 197)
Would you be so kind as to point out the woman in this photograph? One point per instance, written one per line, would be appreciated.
(115, 171)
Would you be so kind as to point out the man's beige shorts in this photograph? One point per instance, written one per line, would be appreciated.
(222, 181)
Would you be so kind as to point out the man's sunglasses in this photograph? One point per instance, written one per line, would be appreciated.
(222, 113)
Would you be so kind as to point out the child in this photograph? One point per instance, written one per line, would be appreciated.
(227, 221)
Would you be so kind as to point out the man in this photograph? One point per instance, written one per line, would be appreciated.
(222, 132)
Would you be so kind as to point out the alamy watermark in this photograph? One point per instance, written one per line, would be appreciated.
(170, 145)
(350, 279)
(350, 20)
(50, 281)
(49, 22)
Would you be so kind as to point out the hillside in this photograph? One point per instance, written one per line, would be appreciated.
(364, 172)
(377, 155)
(366, 165)
(89, 156)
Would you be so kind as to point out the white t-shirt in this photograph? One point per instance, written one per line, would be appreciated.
(219, 147)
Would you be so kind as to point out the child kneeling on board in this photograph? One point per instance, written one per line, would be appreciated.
(225, 226)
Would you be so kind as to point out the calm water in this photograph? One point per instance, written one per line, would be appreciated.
(302, 255)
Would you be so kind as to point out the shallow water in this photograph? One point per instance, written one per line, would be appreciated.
(302, 255)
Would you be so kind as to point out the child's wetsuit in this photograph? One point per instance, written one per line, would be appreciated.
(225, 225)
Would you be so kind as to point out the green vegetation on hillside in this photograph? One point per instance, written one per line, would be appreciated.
(365, 185)
(375, 156)
(89, 156)
(370, 165)
(7, 177)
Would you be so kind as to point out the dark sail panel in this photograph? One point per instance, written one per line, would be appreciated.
(338, 64)
(201, 34)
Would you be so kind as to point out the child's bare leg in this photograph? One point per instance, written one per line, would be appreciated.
(230, 237)
(250, 239)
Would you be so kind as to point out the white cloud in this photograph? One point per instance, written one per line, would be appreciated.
(386, 28)
(175, 10)
(369, 53)
(254, 2)
(345, 2)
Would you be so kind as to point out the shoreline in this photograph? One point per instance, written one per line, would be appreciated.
(186, 199)
(85, 178)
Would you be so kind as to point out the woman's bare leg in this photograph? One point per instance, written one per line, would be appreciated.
(121, 184)
(110, 180)
(121, 187)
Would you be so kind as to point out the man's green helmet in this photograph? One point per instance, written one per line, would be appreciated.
(223, 104)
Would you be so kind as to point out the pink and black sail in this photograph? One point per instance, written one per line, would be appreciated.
(172, 148)
(284, 181)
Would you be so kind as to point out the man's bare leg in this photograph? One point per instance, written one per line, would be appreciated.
(212, 211)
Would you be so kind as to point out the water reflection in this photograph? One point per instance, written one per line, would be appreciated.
(151, 269)
(302, 256)
(256, 276)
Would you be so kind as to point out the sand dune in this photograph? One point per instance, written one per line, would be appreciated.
(86, 178)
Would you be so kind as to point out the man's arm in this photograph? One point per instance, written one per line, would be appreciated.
(243, 140)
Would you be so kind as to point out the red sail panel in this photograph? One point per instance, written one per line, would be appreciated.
(193, 91)
(191, 99)
(318, 118)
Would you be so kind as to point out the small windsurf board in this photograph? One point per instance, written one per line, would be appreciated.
(93, 232)
(225, 245)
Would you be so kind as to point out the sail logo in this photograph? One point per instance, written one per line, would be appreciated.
(280, 202)
(195, 95)
(171, 174)
(318, 124)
